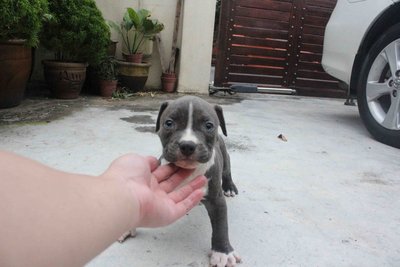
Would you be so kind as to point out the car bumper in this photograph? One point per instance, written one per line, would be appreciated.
(349, 23)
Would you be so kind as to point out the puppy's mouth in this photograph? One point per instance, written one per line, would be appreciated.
(187, 164)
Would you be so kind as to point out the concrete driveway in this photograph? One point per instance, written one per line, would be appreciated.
(328, 196)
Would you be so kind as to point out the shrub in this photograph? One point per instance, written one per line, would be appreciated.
(76, 31)
(22, 19)
(106, 69)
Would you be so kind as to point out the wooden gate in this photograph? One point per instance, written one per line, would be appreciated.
(275, 43)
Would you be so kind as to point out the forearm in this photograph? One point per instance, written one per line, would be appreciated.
(69, 220)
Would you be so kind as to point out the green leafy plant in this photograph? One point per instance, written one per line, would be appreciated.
(106, 69)
(76, 31)
(122, 93)
(22, 19)
(136, 27)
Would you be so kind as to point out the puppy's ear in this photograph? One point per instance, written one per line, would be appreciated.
(160, 112)
(221, 119)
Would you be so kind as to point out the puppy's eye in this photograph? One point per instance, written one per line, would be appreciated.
(169, 124)
(209, 126)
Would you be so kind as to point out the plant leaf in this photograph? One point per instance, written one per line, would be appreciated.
(134, 17)
(143, 13)
(114, 26)
(152, 27)
(127, 22)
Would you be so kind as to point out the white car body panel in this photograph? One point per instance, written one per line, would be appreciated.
(349, 22)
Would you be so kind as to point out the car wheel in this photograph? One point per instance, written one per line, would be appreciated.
(378, 90)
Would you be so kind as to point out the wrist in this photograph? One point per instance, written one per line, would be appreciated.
(129, 202)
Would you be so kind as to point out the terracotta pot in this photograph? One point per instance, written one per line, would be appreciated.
(133, 75)
(134, 58)
(15, 68)
(168, 82)
(64, 79)
(107, 87)
(168, 75)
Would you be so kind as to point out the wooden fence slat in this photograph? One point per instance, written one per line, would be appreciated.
(242, 50)
(316, 21)
(262, 14)
(260, 33)
(313, 39)
(255, 79)
(259, 42)
(318, 11)
(322, 3)
(261, 23)
(314, 30)
(309, 66)
(256, 70)
(266, 4)
(246, 60)
(310, 57)
(315, 48)
(317, 75)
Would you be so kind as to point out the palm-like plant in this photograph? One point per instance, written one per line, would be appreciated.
(137, 27)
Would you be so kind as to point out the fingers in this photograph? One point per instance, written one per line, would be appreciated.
(175, 180)
(188, 203)
(164, 171)
(153, 163)
(182, 193)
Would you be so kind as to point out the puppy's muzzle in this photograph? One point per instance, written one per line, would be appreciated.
(187, 148)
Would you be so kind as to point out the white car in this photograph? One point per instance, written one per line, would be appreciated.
(362, 49)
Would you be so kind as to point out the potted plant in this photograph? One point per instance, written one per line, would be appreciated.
(78, 35)
(106, 73)
(135, 30)
(168, 77)
(20, 24)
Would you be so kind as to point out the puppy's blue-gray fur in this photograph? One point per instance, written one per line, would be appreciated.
(196, 147)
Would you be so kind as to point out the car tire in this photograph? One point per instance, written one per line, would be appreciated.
(378, 88)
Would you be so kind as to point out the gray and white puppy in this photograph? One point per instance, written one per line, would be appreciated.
(188, 130)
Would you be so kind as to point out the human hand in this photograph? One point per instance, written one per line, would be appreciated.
(154, 187)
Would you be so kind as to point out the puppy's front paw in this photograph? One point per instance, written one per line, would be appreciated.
(230, 189)
(219, 259)
(126, 235)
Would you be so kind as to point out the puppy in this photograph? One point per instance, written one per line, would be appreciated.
(188, 130)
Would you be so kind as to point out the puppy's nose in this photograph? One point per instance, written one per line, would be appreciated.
(187, 147)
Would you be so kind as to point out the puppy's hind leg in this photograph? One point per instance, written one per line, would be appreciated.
(126, 235)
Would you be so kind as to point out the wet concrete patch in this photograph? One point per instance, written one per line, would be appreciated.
(40, 110)
(241, 144)
(146, 129)
(140, 119)
(373, 178)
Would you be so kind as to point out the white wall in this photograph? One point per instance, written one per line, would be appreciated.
(196, 36)
(164, 11)
(196, 49)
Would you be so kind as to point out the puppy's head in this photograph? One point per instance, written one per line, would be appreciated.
(188, 130)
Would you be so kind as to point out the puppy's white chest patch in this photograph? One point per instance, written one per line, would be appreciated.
(201, 169)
